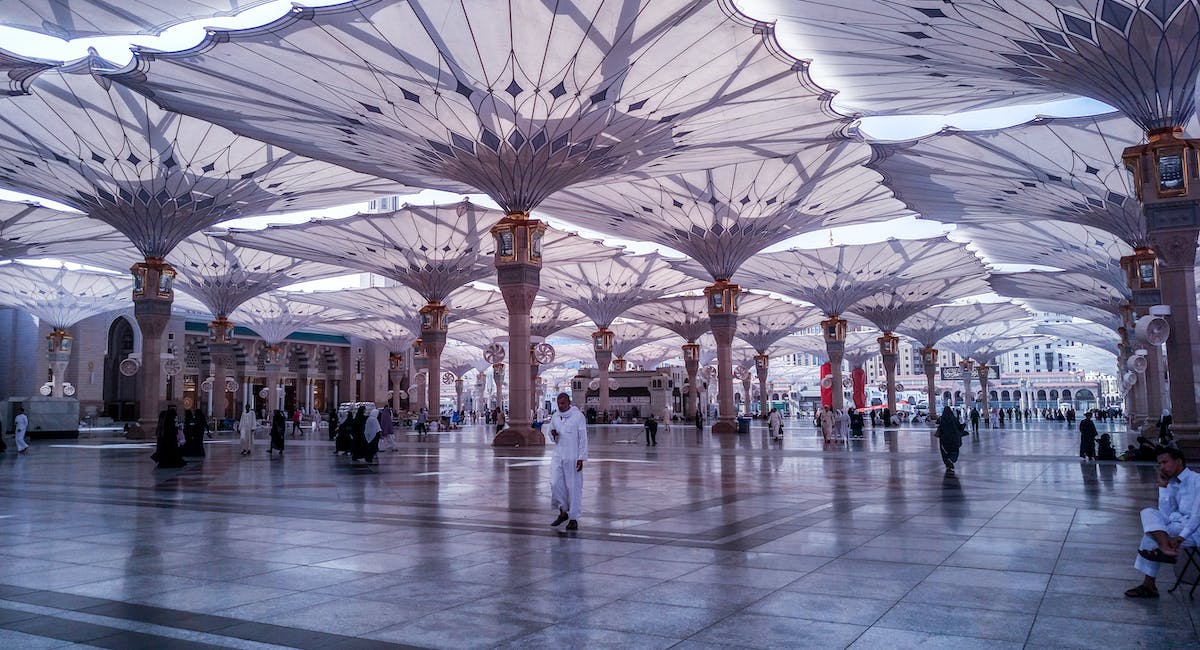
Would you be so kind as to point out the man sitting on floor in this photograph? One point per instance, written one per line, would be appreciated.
(1174, 520)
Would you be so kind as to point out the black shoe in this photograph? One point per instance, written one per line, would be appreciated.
(562, 516)
(572, 525)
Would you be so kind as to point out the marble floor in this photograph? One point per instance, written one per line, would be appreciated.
(699, 542)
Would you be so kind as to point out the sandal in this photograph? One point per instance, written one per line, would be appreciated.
(1157, 555)
(1141, 591)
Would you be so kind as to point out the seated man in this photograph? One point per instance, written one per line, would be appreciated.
(1171, 523)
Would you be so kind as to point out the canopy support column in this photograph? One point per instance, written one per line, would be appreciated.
(721, 299)
(518, 274)
(152, 299)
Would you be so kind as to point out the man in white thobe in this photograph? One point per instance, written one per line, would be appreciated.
(568, 429)
(1168, 526)
(21, 425)
(775, 424)
(246, 430)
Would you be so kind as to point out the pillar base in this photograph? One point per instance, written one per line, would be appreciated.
(725, 425)
(1187, 438)
(519, 437)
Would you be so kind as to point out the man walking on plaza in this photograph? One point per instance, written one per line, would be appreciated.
(568, 429)
(1170, 524)
(21, 425)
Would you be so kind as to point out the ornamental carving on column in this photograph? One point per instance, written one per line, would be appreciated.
(1175, 248)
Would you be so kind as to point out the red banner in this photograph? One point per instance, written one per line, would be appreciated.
(859, 377)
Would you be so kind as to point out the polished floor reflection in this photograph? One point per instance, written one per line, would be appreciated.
(698, 542)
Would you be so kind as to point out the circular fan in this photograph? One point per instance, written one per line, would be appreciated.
(264, 392)
(543, 353)
(494, 353)
(46, 389)
(448, 378)
(594, 384)
(827, 381)
(403, 394)
(129, 367)
(172, 367)
(69, 389)
(231, 385)
(207, 384)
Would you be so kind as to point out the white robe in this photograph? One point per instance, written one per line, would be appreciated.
(246, 429)
(1177, 514)
(566, 484)
(775, 424)
(21, 425)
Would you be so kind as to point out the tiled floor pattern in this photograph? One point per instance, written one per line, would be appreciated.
(700, 542)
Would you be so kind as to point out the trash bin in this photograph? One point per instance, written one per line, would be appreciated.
(743, 425)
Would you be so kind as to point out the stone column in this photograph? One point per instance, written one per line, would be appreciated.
(1137, 418)
(761, 365)
(498, 379)
(58, 355)
(1142, 277)
(535, 390)
(984, 372)
(745, 377)
(602, 346)
(416, 390)
(721, 300)
(691, 363)
(518, 274)
(421, 388)
(396, 374)
(889, 349)
(479, 398)
(220, 350)
(433, 340)
(967, 367)
(458, 393)
(1169, 190)
(833, 330)
(1176, 251)
(276, 361)
(152, 298)
(929, 359)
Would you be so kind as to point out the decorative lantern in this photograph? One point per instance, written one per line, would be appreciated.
(722, 297)
(833, 330)
(889, 344)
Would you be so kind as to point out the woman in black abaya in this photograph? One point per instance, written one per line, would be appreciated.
(278, 430)
(166, 435)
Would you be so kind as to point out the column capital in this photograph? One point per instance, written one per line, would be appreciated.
(929, 356)
(889, 344)
(58, 340)
(602, 340)
(1162, 168)
(518, 240)
(1175, 248)
(433, 317)
(220, 332)
(833, 329)
(152, 281)
(721, 297)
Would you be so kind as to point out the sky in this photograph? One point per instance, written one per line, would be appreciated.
(117, 50)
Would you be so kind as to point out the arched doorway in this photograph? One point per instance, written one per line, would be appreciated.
(120, 392)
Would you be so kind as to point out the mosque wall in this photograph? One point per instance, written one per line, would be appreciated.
(19, 351)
